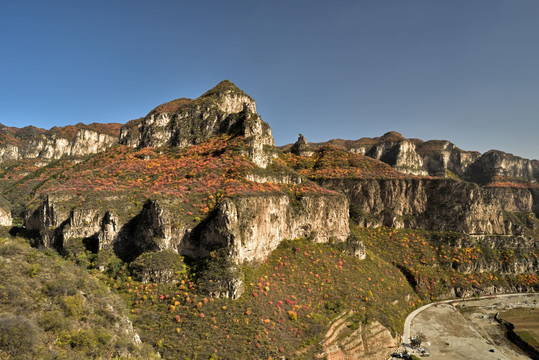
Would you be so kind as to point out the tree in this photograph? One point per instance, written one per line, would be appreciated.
(416, 340)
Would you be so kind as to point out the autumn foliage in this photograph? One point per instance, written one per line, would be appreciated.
(332, 161)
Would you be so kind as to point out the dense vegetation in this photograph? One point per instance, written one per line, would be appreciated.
(52, 309)
(435, 266)
(288, 303)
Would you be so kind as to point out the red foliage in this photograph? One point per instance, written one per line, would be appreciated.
(331, 161)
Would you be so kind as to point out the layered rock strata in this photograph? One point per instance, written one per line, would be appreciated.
(438, 204)
(224, 109)
(249, 228)
(78, 141)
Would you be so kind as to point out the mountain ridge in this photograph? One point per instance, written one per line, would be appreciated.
(224, 245)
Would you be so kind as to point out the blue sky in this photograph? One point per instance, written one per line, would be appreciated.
(461, 70)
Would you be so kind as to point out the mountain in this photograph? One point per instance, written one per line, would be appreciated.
(513, 180)
(46, 145)
(224, 246)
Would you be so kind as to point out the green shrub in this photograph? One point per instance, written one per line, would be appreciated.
(219, 276)
(108, 262)
(18, 335)
(164, 266)
(73, 306)
(54, 320)
(84, 340)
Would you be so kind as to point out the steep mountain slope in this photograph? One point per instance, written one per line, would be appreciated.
(223, 246)
(198, 190)
(225, 109)
(513, 180)
(50, 309)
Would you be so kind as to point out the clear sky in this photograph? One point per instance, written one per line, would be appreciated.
(466, 71)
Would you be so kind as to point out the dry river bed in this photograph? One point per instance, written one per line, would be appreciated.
(467, 330)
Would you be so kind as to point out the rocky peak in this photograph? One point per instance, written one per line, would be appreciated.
(224, 109)
(301, 147)
(392, 136)
(498, 166)
(440, 157)
(397, 151)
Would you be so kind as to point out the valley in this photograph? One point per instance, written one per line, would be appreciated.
(201, 239)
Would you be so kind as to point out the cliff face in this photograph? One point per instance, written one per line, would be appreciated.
(511, 179)
(77, 140)
(248, 227)
(439, 204)
(224, 109)
(513, 246)
(400, 153)
(5, 213)
(514, 199)
(494, 166)
(439, 156)
(252, 227)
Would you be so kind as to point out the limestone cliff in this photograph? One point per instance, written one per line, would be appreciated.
(514, 199)
(251, 227)
(391, 148)
(513, 180)
(5, 213)
(397, 151)
(225, 109)
(497, 166)
(439, 204)
(441, 158)
(248, 227)
(74, 140)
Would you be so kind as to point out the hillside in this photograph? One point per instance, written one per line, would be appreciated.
(53, 309)
(222, 246)
(513, 180)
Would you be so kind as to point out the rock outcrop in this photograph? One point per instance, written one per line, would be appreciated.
(5, 213)
(442, 158)
(391, 148)
(365, 341)
(46, 145)
(253, 226)
(249, 228)
(497, 166)
(397, 151)
(438, 204)
(301, 147)
(225, 109)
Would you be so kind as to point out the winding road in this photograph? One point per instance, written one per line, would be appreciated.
(455, 319)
